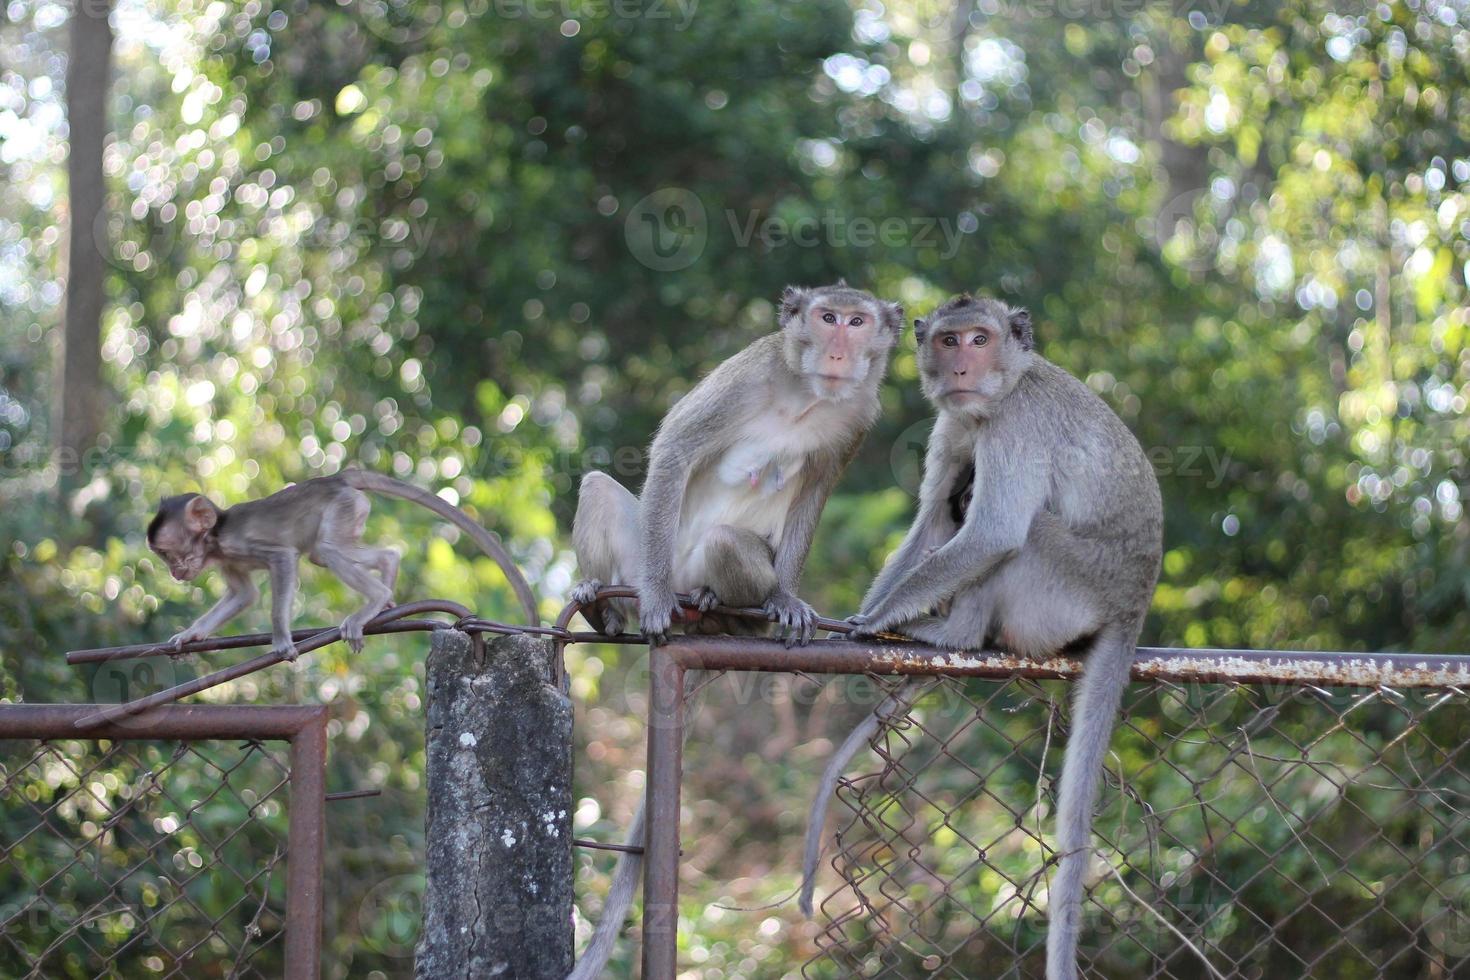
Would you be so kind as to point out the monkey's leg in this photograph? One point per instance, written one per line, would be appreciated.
(338, 548)
(967, 624)
(282, 565)
(385, 560)
(360, 578)
(1040, 605)
(605, 539)
(731, 567)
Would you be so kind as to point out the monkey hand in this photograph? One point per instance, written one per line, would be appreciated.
(796, 621)
(584, 593)
(658, 607)
(704, 598)
(862, 628)
(285, 649)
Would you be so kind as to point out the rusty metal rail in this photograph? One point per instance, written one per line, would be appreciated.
(304, 728)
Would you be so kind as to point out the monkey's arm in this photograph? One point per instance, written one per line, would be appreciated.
(924, 535)
(796, 618)
(1008, 495)
(282, 565)
(240, 595)
(685, 440)
(931, 527)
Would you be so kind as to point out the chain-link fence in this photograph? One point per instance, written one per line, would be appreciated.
(1279, 831)
(1264, 814)
(161, 848)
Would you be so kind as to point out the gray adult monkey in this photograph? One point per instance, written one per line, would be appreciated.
(738, 475)
(1040, 528)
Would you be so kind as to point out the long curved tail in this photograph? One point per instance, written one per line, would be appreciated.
(817, 817)
(389, 487)
(615, 910)
(1094, 713)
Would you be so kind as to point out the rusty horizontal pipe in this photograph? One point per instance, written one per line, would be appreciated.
(1405, 670)
(378, 625)
(180, 721)
(564, 635)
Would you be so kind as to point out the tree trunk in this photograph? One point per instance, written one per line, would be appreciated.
(79, 405)
(498, 901)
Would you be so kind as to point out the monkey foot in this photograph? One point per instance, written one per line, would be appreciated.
(704, 598)
(584, 593)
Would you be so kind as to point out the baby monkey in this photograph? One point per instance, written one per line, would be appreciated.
(322, 519)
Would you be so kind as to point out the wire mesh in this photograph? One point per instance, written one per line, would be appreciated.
(142, 858)
(1274, 831)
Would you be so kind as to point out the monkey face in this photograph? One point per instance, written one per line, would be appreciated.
(179, 534)
(183, 553)
(837, 337)
(962, 363)
(969, 351)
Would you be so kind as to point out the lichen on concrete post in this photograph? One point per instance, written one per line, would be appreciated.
(498, 900)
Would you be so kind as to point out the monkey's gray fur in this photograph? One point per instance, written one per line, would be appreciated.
(1059, 546)
(738, 474)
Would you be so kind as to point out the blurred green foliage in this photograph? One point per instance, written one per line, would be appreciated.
(421, 237)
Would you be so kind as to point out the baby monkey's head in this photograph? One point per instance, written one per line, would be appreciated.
(179, 534)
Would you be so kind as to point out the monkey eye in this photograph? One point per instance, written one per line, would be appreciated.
(950, 340)
(856, 321)
(829, 318)
(981, 340)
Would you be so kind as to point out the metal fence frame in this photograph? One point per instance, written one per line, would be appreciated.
(669, 663)
(304, 727)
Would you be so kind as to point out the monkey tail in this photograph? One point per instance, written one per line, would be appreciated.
(1094, 713)
(817, 817)
(615, 910)
(389, 487)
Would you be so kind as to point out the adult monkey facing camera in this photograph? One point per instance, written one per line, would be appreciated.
(322, 519)
(738, 474)
(740, 470)
(1040, 528)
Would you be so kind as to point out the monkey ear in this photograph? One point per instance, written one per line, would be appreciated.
(842, 283)
(1020, 324)
(792, 300)
(921, 330)
(200, 514)
(893, 318)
